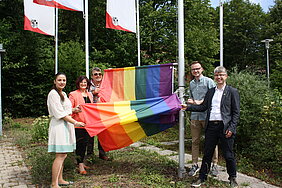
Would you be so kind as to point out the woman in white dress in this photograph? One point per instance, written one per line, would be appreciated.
(61, 128)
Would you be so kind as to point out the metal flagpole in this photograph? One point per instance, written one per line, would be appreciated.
(86, 38)
(56, 39)
(221, 31)
(2, 51)
(181, 72)
(138, 33)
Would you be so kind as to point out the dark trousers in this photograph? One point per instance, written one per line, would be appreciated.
(82, 139)
(90, 147)
(213, 134)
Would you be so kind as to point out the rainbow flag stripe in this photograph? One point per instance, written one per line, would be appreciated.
(119, 124)
(134, 83)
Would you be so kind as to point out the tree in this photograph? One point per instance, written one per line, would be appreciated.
(243, 23)
(201, 36)
(274, 31)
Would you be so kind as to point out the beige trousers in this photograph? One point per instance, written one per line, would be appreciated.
(196, 128)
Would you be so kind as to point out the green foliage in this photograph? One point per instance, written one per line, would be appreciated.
(201, 36)
(7, 121)
(41, 162)
(273, 31)
(40, 128)
(259, 135)
(243, 24)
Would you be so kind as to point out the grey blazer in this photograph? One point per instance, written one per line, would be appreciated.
(229, 108)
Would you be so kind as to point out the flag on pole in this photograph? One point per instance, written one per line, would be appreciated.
(133, 83)
(122, 123)
(38, 18)
(74, 5)
(121, 15)
(138, 102)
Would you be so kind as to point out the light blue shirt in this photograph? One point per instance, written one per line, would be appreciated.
(198, 90)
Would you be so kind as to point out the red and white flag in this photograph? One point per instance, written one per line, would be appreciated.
(74, 5)
(121, 15)
(38, 18)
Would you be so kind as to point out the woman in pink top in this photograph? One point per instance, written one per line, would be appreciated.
(78, 97)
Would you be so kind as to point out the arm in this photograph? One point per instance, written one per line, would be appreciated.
(75, 108)
(201, 107)
(68, 118)
(235, 111)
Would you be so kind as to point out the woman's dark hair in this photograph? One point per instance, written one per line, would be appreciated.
(80, 79)
(54, 85)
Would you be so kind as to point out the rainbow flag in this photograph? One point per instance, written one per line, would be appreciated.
(119, 124)
(136, 102)
(133, 83)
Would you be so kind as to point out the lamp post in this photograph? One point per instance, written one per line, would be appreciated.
(2, 51)
(266, 42)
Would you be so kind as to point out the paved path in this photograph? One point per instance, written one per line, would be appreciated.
(13, 172)
(243, 180)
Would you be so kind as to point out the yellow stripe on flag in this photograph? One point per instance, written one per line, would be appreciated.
(129, 83)
(126, 115)
(134, 131)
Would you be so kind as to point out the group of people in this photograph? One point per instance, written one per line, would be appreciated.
(66, 128)
(215, 108)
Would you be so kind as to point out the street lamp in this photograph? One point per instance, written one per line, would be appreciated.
(267, 41)
(2, 51)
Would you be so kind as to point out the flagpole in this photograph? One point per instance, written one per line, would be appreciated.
(221, 31)
(138, 33)
(86, 39)
(181, 85)
(56, 39)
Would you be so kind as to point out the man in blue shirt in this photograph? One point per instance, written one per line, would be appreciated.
(198, 89)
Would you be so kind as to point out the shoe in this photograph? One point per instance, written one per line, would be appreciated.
(233, 183)
(198, 183)
(214, 170)
(81, 172)
(194, 170)
(66, 184)
(105, 158)
(86, 167)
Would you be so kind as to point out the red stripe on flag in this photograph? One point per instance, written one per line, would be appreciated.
(27, 26)
(109, 24)
(119, 139)
(52, 4)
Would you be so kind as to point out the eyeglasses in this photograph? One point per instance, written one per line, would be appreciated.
(221, 75)
(96, 74)
(196, 69)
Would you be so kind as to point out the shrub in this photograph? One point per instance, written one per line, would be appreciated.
(40, 128)
(259, 132)
(41, 162)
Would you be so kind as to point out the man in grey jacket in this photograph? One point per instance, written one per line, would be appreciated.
(223, 111)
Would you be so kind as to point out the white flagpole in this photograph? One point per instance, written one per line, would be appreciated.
(221, 31)
(56, 39)
(86, 38)
(181, 85)
(138, 33)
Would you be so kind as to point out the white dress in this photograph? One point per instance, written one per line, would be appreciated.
(61, 133)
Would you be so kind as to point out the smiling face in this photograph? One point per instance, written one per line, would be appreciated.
(83, 84)
(196, 70)
(220, 78)
(97, 76)
(60, 82)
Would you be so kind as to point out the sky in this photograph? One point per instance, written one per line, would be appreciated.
(265, 4)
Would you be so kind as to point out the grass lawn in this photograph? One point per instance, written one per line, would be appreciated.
(131, 167)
